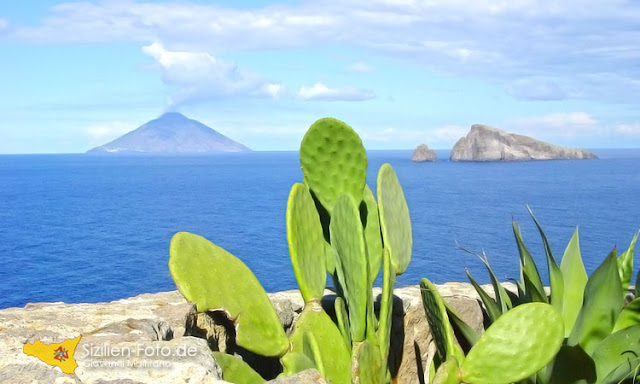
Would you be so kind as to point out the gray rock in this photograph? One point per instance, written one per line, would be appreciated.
(484, 143)
(304, 377)
(422, 153)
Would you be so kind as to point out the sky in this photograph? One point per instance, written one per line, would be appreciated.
(74, 75)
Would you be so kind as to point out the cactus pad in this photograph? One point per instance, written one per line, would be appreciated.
(372, 236)
(351, 262)
(306, 243)
(295, 362)
(333, 161)
(520, 343)
(438, 320)
(235, 370)
(394, 218)
(336, 358)
(368, 367)
(196, 263)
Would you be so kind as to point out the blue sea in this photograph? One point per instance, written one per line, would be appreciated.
(89, 228)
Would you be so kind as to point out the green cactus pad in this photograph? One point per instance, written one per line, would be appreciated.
(438, 320)
(520, 343)
(372, 235)
(295, 362)
(333, 161)
(386, 305)
(205, 274)
(351, 263)
(336, 358)
(394, 218)
(236, 371)
(343, 320)
(368, 366)
(306, 243)
(448, 373)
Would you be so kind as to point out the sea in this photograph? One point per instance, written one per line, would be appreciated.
(93, 228)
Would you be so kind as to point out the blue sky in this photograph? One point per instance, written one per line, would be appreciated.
(75, 75)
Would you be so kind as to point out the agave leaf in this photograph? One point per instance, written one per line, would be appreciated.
(575, 280)
(618, 355)
(470, 335)
(502, 298)
(493, 310)
(438, 320)
(556, 280)
(637, 292)
(213, 278)
(625, 266)
(529, 269)
(520, 343)
(602, 303)
(629, 316)
(236, 371)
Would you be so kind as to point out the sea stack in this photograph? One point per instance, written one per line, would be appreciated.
(423, 153)
(172, 133)
(484, 143)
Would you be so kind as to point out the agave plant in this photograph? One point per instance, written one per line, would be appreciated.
(601, 334)
(334, 225)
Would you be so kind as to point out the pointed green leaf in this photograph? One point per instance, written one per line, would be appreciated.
(520, 343)
(213, 278)
(311, 349)
(343, 320)
(347, 238)
(565, 367)
(470, 335)
(236, 371)
(602, 303)
(489, 304)
(529, 269)
(575, 280)
(629, 316)
(438, 320)
(306, 243)
(618, 356)
(625, 265)
(394, 218)
(556, 280)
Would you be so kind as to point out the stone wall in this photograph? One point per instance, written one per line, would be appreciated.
(166, 321)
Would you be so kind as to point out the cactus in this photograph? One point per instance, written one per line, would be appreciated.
(333, 161)
(235, 370)
(205, 274)
(334, 224)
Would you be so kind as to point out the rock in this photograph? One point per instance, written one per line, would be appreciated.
(304, 377)
(172, 133)
(484, 143)
(423, 153)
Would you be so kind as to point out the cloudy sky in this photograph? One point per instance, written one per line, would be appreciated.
(74, 75)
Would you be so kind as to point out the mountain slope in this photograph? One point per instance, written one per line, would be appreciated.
(172, 133)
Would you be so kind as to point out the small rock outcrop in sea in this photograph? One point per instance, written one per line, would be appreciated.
(171, 133)
(423, 153)
(484, 143)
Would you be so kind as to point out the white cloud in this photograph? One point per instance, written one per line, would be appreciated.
(628, 129)
(107, 131)
(360, 67)
(320, 91)
(554, 125)
(200, 75)
(506, 42)
(4, 24)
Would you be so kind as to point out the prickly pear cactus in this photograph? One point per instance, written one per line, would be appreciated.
(235, 370)
(333, 161)
(306, 243)
(517, 345)
(394, 218)
(206, 275)
(373, 240)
